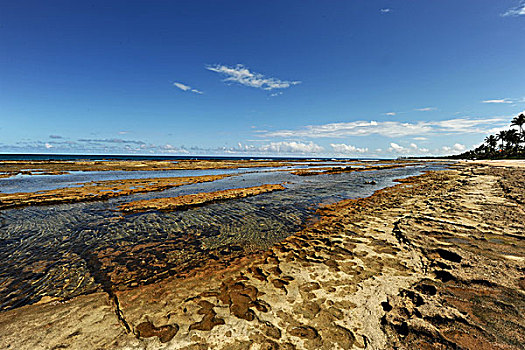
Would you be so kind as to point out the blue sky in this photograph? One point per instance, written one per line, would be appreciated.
(304, 78)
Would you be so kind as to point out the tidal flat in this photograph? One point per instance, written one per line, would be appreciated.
(266, 255)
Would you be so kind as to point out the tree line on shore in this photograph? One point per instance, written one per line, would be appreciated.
(505, 144)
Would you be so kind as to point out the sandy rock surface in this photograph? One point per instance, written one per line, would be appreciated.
(192, 200)
(435, 262)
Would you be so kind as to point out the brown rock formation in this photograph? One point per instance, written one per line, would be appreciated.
(192, 200)
(435, 262)
(148, 330)
(99, 190)
(12, 168)
(348, 169)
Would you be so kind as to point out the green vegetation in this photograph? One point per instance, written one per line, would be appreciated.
(506, 144)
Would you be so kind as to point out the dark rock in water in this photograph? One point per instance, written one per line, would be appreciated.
(371, 182)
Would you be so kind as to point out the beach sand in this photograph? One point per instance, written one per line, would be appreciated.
(513, 163)
(435, 262)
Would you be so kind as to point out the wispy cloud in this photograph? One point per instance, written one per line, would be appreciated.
(55, 137)
(426, 109)
(114, 146)
(112, 141)
(342, 148)
(515, 11)
(302, 148)
(392, 128)
(242, 75)
(391, 114)
(457, 147)
(413, 149)
(292, 147)
(185, 87)
(281, 147)
(396, 148)
(502, 100)
(385, 10)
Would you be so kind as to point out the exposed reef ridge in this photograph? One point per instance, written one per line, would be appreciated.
(99, 190)
(350, 169)
(192, 200)
(13, 168)
(435, 262)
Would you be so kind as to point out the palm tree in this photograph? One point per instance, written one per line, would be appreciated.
(502, 136)
(513, 138)
(492, 142)
(519, 121)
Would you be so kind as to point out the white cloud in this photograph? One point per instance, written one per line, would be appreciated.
(516, 11)
(467, 125)
(420, 138)
(392, 128)
(242, 75)
(182, 86)
(503, 100)
(185, 87)
(346, 149)
(292, 147)
(426, 109)
(454, 149)
(385, 10)
(390, 113)
(167, 148)
(281, 147)
(395, 148)
(48, 146)
(412, 149)
(459, 147)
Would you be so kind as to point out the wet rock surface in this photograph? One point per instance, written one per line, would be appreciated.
(434, 262)
(13, 168)
(98, 190)
(354, 168)
(192, 200)
(62, 251)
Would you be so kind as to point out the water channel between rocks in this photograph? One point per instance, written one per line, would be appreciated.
(72, 249)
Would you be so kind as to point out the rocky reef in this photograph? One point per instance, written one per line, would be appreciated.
(192, 200)
(350, 169)
(12, 168)
(99, 190)
(435, 262)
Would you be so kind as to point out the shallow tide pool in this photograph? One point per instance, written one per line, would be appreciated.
(71, 249)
